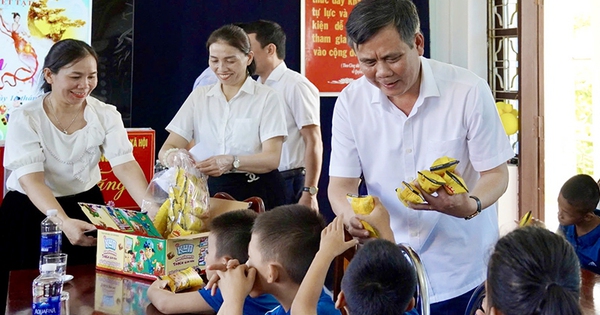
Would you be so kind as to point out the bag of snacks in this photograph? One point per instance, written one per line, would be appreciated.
(177, 201)
(184, 279)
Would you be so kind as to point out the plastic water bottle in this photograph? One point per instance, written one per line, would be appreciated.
(46, 290)
(51, 240)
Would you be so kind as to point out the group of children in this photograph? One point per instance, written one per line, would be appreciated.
(254, 269)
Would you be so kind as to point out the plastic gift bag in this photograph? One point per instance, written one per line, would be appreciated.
(177, 200)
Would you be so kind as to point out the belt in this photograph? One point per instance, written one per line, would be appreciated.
(293, 172)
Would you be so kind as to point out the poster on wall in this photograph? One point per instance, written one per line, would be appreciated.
(27, 31)
(327, 60)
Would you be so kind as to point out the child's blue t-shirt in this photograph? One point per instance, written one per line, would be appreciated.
(325, 306)
(252, 306)
(587, 246)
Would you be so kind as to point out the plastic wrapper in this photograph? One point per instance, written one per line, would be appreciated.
(184, 279)
(363, 204)
(177, 201)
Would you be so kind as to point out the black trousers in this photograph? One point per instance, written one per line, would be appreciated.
(268, 186)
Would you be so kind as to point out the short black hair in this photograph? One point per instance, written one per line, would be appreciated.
(379, 280)
(370, 16)
(533, 271)
(582, 192)
(64, 53)
(234, 36)
(232, 231)
(289, 235)
(268, 32)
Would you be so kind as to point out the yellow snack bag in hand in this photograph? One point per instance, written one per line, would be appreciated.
(443, 164)
(184, 279)
(363, 204)
(525, 220)
(408, 193)
(430, 181)
(454, 184)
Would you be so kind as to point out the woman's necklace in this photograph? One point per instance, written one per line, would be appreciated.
(64, 130)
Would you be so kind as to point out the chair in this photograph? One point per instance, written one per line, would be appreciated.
(476, 300)
(254, 203)
(422, 296)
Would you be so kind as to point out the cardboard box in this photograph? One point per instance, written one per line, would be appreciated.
(120, 295)
(129, 244)
(115, 194)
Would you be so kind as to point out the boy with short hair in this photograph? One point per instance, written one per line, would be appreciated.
(379, 279)
(228, 239)
(283, 244)
(579, 220)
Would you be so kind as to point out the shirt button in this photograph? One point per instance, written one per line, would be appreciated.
(408, 150)
(410, 179)
(414, 234)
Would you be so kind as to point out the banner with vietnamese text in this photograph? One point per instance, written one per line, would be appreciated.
(327, 60)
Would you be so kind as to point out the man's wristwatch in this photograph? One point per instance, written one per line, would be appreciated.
(236, 163)
(312, 190)
(478, 211)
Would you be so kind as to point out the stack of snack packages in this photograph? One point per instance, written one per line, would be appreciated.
(440, 174)
(185, 210)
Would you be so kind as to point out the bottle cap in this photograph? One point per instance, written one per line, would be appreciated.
(51, 212)
(48, 267)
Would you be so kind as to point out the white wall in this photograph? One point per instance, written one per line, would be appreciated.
(459, 37)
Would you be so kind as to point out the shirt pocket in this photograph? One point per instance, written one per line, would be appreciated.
(245, 137)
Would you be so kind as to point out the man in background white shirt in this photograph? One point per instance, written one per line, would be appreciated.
(302, 152)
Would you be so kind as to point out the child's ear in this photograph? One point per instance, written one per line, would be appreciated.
(411, 304)
(273, 275)
(341, 301)
(589, 216)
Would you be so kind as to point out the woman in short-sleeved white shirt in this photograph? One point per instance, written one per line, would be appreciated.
(53, 145)
(237, 125)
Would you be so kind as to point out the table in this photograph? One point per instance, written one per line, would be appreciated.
(90, 292)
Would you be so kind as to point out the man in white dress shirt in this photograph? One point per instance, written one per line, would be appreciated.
(403, 114)
(302, 152)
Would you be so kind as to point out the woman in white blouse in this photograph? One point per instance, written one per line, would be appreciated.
(237, 125)
(53, 145)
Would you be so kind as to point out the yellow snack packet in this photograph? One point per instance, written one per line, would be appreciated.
(372, 231)
(525, 220)
(443, 164)
(184, 279)
(430, 181)
(361, 204)
(454, 184)
(408, 193)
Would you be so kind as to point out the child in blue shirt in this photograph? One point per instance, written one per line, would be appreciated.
(579, 219)
(283, 244)
(228, 239)
(378, 281)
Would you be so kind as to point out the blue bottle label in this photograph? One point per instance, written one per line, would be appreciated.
(51, 243)
(50, 306)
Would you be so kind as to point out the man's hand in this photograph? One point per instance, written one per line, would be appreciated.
(379, 219)
(457, 205)
(309, 200)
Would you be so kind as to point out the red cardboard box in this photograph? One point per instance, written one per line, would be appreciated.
(115, 194)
